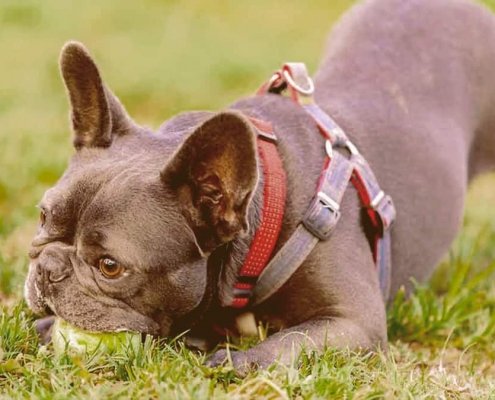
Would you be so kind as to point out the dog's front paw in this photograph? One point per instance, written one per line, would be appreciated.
(218, 358)
(242, 361)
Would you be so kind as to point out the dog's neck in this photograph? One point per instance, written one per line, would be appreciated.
(237, 250)
(222, 271)
(225, 262)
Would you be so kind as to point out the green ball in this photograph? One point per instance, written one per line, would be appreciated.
(68, 338)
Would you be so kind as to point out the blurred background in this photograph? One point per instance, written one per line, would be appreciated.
(159, 57)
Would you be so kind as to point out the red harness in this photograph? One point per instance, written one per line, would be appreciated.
(323, 213)
(266, 236)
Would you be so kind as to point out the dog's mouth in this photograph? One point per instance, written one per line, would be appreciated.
(44, 324)
(43, 306)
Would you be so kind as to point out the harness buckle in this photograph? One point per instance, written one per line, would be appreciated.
(263, 129)
(322, 216)
(270, 137)
(329, 148)
(378, 198)
(328, 202)
(384, 207)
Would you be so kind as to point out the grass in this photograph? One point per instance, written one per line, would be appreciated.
(162, 57)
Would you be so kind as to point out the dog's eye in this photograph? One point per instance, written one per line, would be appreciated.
(109, 268)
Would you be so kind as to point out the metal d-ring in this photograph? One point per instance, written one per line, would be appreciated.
(351, 147)
(308, 92)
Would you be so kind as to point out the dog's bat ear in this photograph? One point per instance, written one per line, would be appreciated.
(96, 113)
(215, 173)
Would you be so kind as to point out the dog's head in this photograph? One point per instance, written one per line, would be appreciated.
(124, 236)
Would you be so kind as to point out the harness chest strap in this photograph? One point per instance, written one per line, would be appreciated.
(318, 224)
(258, 280)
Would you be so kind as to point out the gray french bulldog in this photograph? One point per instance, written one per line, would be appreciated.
(146, 231)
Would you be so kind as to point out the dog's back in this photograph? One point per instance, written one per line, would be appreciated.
(411, 82)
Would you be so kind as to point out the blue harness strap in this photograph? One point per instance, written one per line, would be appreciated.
(323, 213)
(318, 224)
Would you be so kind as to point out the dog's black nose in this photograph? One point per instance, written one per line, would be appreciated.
(53, 266)
(52, 272)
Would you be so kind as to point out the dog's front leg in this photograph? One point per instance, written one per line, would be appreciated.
(333, 300)
(316, 334)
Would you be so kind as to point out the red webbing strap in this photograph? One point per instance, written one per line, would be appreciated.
(266, 236)
(318, 223)
(381, 212)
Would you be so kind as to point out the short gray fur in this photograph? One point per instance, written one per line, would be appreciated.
(411, 83)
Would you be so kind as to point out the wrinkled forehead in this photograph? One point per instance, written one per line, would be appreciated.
(94, 169)
(119, 199)
(83, 180)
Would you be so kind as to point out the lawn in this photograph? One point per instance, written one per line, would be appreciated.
(161, 57)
